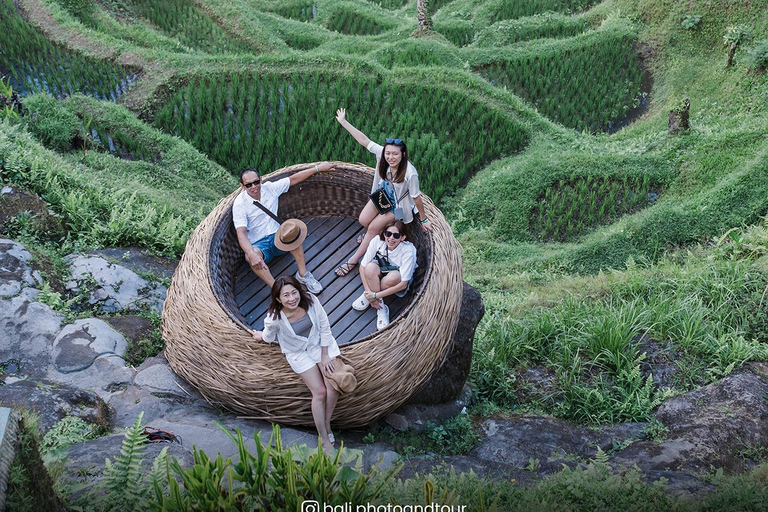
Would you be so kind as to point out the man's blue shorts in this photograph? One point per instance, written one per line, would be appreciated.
(267, 247)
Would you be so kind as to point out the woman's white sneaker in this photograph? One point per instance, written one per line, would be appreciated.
(361, 303)
(382, 317)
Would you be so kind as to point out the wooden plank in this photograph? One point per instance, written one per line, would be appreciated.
(330, 242)
(251, 300)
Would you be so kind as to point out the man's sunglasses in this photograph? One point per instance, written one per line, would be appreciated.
(396, 142)
(389, 234)
(249, 185)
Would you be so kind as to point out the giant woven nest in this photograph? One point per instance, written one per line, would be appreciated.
(207, 338)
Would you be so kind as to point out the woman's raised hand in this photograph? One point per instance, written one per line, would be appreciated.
(257, 335)
(341, 114)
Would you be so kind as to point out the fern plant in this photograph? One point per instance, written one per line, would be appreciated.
(125, 487)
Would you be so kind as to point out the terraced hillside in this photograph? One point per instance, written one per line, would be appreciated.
(540, 127)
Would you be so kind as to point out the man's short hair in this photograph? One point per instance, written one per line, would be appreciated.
(247, 170)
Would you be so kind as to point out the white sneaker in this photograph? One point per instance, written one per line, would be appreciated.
(361, 303)
(312, 284)
(382, 317)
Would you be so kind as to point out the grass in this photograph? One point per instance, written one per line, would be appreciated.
(593, 252)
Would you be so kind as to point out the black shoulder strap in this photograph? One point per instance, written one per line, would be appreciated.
(268, 212)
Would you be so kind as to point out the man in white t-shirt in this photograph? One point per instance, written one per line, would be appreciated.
(256, 229)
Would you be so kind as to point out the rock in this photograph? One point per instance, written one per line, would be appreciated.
(52, 402)
(418, 416)
(448, 381)
(486, 469)
(378, 455)
(113, 287)
(397, 421)
(79, 344)
(160, 377)
(718, 425)
(27, 331)
(15, 271)
(88, 354)
(85, 461)
(545, 443)
(139, 261)
(132, 327)
(14, 204)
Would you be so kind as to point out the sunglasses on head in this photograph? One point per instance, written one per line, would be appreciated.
(396, 142)
(389, 234)
(249, 185)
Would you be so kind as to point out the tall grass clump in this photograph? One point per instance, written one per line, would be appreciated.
(347, 20)
(512, 9)
(538, 26)
(190, 25)
(568, 84)
(35, 64)
(301, 10)
(270, 121)
(568, 209)
(699, 314)
(104, 201)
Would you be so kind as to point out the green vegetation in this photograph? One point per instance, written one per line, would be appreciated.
(189, 24)
(599, 256)
(270, 121)
(34, 64)
(457, 436)
(568, 84)
(511, 9)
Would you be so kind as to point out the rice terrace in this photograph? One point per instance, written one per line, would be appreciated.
(585, 321)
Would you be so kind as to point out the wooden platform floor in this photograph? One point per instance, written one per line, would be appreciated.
(331, 241)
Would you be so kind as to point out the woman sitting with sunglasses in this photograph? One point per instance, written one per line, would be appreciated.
(386, 269)
(391, 164)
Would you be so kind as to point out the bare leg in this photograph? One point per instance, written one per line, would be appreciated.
(316, 384)
(374, 223)
(331, 398)
(390, 280)
(298, 255)
(265, 275)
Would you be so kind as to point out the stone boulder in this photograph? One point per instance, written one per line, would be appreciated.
(53, 402)
(88, 354)
(15, 270)
(113, 287)
(722, 425)
(544, 444)
(448, 381)
(27, 331)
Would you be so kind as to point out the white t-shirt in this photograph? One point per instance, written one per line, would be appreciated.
(248, 215)
(406, 190)
(404, 256)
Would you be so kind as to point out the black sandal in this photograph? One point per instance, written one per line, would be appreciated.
(345, 268)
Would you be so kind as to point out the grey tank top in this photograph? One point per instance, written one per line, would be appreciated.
(302, 326)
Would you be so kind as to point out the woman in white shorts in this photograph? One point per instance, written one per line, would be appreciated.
(386, 269)
(297, 319)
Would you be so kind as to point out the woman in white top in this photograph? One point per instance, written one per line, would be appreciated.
(386, 269)
(297, 319)
(391, 164)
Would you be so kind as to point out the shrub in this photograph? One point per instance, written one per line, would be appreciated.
(50, 122)
(757, 56)
(690, 21)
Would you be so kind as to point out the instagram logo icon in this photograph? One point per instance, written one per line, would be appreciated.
(310, 506)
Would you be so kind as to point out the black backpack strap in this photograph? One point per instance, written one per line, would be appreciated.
(268, 212)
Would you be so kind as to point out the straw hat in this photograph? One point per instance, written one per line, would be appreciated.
(342, 379)
(290, 235)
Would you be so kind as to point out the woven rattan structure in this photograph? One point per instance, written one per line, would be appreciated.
(208, 344)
